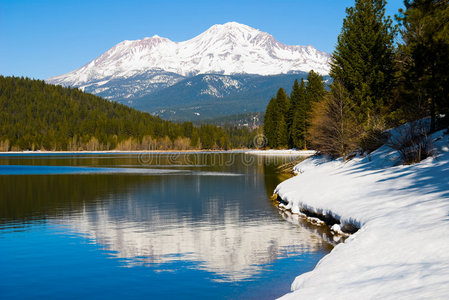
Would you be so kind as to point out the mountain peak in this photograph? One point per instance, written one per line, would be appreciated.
(233, 25)
(230, 48)
(233, 29)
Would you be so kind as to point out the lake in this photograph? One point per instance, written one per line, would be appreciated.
(167, 225)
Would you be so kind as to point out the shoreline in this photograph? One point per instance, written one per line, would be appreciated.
(124, 151)
(402, 247)
(334, 224)
(282, 152)
(245, 151)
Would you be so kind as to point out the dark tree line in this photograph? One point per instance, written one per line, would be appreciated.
(35, 115)
(377, 83)
(287, 119)
(423, 60)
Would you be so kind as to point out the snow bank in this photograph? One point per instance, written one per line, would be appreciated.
(402, 247)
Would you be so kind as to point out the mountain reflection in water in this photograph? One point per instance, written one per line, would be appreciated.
(222, 225)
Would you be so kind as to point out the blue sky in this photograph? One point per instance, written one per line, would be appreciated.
(40, 39)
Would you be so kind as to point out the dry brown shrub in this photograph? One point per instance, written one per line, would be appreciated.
(334, 130)
(412, 141)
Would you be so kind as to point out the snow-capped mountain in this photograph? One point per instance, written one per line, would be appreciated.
(137, 68)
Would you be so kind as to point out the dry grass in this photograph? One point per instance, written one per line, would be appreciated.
(412, 142)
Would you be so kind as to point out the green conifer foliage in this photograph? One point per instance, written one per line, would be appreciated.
(275, 122)
(35, 115)
(282, 133)
(295, 98)
(424, 57)
(363, 60)
(270, 124)
(314, 93)
(283, 102)
(298, 111)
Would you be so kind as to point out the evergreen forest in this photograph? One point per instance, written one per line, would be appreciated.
(39, 116)
(384, 73)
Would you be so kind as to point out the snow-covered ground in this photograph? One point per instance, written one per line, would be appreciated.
(402, 248)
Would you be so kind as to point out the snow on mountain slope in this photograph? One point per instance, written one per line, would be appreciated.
(134, 86)
(227, 84)
(214, 95)
(231, 48)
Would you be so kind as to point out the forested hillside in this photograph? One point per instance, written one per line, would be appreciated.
(39, 116)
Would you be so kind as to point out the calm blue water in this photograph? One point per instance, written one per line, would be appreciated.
(197, 226)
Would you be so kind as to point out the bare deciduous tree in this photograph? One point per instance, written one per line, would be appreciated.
(334, 129)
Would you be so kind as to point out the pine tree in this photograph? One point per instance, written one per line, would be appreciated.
(424, 57)
(296, 131)
(314, 93)
(282, 133)
(283, 102)
(270, 124)
(315, 89)
(275, 124)
(283, 108)
(295, 98)
(363, 60)
(298, 114)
